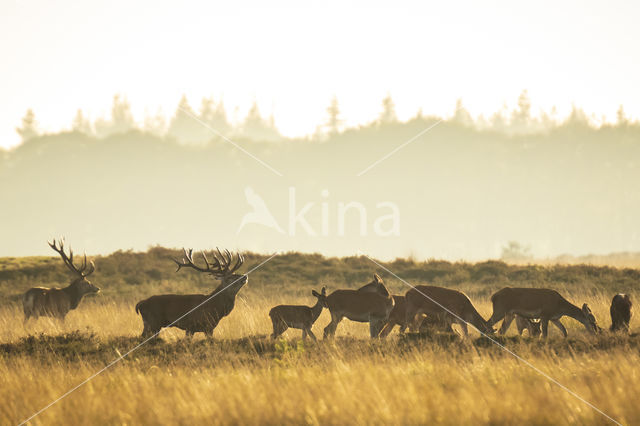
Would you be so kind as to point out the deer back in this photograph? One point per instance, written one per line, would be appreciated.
(358, 303)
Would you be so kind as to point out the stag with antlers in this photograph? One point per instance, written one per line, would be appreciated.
(195, 312)
(57, 302)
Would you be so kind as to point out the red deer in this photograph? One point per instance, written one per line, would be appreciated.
(531, 325)
(620, 312)
(371, 303)
(398, 316)
(57, 302)
(195, 312)
(450, 304)
(296, 316)
(543, 303)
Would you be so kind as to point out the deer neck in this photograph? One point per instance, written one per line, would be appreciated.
(574, 312)
(479, 322)
(75, 296)
(316, 310)
(226, 290)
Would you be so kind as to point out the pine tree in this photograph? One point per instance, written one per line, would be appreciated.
(220, 120)
(461, 115)
(334, 122)
(29, 127)
(81, 124)
(207, 109)
(257, 128)
(521, 117)
(621, 116)
(184, 125)
(388, 114)
(121, 116)
(577, 117)
(121, 120)
(215, 116)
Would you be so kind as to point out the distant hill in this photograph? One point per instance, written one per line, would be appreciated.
(460, 192)
(131, 275)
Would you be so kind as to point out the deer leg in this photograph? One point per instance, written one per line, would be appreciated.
(410, 319)
(520, 325)
(508, 319)
(145, 330)
(189, 334)
(310, 333)
(558, 324)
(449, 326)
(374, 327)
(304, 333)
(330, 330)
(463, 326)
(278, 328)
(544, 324)
(387, 329)
(379, 325)
(150, 330)
(415, 320)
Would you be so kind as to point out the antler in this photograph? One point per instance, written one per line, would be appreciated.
(226, 260)
(68, 261)
(219, 267)
(238, 263)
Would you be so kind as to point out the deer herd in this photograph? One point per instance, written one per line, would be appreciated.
(421, 308)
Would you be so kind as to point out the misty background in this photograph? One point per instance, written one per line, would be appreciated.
(464, 189)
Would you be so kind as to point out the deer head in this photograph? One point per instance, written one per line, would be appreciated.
(376, 286)
(589, 319)
(535, 328)
(322, 296)
(80, 282)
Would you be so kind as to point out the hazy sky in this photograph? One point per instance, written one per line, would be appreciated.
(64, 55)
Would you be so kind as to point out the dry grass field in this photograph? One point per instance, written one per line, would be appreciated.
(241, 376)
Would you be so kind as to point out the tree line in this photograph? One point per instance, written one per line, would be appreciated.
(210, 121)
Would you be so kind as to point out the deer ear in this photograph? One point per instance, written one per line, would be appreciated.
(585, 309)
(377, 278)
(315, 293)
(324, 291)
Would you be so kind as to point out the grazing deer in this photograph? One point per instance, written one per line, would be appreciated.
(531, 325)
(398, 316)
(296, 316)
(451, 305)
(543, 303)
(195, 312)
(371, 303)
(620, 312)
(57, 302)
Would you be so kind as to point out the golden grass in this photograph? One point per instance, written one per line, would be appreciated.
(418, 387)
(240, 376)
